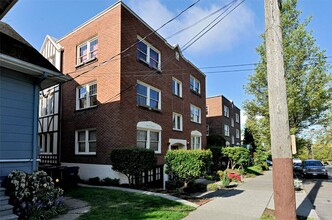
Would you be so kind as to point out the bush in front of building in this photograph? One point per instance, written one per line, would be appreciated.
(188, 165)
(238, 157)
(132, 161)
(34, 196)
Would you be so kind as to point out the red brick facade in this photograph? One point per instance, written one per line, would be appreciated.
(116, 115)
(216, 119)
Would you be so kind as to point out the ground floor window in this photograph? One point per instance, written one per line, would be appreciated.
(149, 136)
(86, 141)
(196, 140)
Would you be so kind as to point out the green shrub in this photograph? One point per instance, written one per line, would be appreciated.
(34, 196)
(195, 187)
(212, 187)
(216, 157)
(237, 156)
(188, 164)
(253, 171)
(132, 161)
(110, 182)
(224, 178)
(94, 181)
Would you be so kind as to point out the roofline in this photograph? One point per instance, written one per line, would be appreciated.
(121, 3)
(217, 96)
(57, 46)
(30, 69)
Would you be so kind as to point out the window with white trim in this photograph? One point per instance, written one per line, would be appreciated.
(237, 117)
(226, 111)
(177, 122)
(85, 142)
(233, 140)
(237, 133)
(87, 51)
(148, 96)
(228, 144)
(195, 114)
(226, 128)
(176, 87)
(196, 140)
(195, 85)
(149, 136)
(148, 54)
(46, 103)
(232, 122)
(86, 96)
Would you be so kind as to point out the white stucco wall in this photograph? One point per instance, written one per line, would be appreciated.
(87, 171)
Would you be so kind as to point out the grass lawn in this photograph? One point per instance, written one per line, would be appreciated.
(114, 204)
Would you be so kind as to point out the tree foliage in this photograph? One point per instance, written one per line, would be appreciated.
(308, 81)
(132, 161)
(188, 164)
(237, 156)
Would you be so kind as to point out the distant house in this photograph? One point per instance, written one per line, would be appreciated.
(148, 96)
(223, 118)
(23, 72)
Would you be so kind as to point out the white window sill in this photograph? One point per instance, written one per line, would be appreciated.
(85, 62)
(91, 153)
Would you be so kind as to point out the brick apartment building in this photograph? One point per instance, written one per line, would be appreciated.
(149, 96)
(223, 118)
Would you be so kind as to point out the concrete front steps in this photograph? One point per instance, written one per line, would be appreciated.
(6, 210)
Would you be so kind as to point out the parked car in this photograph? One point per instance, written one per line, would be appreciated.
(313, 168)
(269, 162)
(297, 164)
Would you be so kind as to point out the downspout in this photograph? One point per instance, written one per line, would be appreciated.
(35, 121)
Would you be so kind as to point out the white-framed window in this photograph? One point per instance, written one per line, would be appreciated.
(226, 111)
(177, 122)
(237, 133)
(46, 104)
(233, 140)
(195, 114)
(226, 128)
(147, 95)
(87, 50)
(196, 140)
(86, 96)
(195, 85)
(232, 122)
(148, 54)
(85, 142)
(149, 136)
(228, 144)
(237, 117)
(176, 87)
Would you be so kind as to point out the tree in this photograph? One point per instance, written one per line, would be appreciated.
(308, 81)
(188, 164)
(216, 140)
(237, 156)
(132, 161)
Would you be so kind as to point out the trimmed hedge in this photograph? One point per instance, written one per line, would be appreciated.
(132, 161)
(188, 164)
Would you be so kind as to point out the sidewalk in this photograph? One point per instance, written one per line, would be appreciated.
(248, 201)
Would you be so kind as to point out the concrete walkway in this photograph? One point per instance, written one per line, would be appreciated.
(76, 208)
(247, 201)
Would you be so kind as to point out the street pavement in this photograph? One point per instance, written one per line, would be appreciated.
(248, 201)
(320, 195)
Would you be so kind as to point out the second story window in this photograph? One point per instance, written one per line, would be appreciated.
(177, 122)
(195, 85)
(237, 117)
(87, 51)
(177, 87)
(148, 96)
(195, 114)
(232, 122)
(237, 133)
(148, 54)
(226, 128)
(86, 96)
(226, 111)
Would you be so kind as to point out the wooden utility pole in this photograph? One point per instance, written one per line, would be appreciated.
(283, 185)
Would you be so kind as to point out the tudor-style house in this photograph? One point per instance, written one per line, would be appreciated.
(129, 88)
(223, 118)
